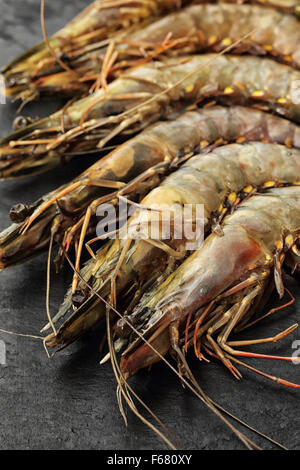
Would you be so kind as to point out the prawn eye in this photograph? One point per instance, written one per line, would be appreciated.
(19, 212)
(20, 122)
(122, 328)
(63, 56)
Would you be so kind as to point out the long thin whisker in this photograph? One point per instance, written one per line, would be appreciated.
(121, 380)
(240, 435)
(49, 284)
(53, 53)
(21, 334)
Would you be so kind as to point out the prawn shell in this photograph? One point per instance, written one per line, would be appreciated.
(249, 237)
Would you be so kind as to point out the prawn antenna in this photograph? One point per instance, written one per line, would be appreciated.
(47, 41)
(189, 382)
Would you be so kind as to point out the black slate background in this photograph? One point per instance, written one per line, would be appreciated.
(69, 402)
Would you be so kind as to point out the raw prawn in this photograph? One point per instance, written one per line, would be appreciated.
(198, 28)
(220, 286)
(141, 97)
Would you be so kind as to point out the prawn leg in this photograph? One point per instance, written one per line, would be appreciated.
(114, 276)
(157, 170)
(183, 367)
(222, 339)
(272, 339)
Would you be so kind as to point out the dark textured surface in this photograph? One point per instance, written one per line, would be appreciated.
(69, 402)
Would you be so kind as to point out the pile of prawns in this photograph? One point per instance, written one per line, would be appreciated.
(199, 102)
